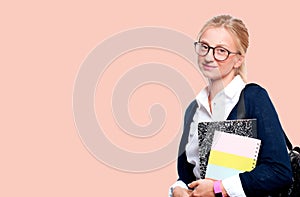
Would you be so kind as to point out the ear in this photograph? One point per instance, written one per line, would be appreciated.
(239, 61)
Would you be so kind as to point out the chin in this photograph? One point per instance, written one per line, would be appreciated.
(211, 76)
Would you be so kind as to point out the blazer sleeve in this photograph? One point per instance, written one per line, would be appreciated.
(184, 168)
(273, 171)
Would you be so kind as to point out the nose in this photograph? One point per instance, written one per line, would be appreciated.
(210, 55)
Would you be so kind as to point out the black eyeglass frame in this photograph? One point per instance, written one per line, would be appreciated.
(213, 48)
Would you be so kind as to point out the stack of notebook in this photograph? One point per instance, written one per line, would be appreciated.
(227, 148)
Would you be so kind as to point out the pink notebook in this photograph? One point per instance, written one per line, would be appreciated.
(231, 154)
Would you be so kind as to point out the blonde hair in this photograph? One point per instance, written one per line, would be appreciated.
(239, 32)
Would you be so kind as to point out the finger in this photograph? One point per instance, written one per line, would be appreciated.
(192, 194)
(193, 184)
(189, 191)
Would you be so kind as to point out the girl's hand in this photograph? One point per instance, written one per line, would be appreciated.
(202, 188)
(181, 192)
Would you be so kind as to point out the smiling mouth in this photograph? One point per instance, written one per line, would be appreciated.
(206, 66)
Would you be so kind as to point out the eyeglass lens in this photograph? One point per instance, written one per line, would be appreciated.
(219, 53)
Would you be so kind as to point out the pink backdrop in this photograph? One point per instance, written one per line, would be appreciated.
(43, 46)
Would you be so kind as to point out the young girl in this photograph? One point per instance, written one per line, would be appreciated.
(221, 49)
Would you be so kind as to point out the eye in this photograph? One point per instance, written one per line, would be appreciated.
(221, 51)
(203, 46)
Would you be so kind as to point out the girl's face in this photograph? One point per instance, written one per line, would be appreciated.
(214, 69)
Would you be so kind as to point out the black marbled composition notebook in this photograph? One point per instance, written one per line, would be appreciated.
(206, 130)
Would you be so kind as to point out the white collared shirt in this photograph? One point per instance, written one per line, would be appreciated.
(222, 104)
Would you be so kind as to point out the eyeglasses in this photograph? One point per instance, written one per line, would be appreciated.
(220, 53)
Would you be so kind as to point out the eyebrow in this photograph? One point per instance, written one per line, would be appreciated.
(218, 45)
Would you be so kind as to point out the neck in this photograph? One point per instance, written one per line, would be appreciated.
(215, 86)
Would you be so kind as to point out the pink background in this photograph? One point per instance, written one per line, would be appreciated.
(42, 46)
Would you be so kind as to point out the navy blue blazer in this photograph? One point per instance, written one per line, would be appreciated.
(273, 170)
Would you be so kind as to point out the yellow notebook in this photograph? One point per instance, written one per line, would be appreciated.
(231, 154)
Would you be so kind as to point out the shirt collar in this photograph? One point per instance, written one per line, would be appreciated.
(234, 87)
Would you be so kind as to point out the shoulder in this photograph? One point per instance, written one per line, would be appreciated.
(256, 97)
(192, 106)
(254, 87)
(190, 110)
(253, 90)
